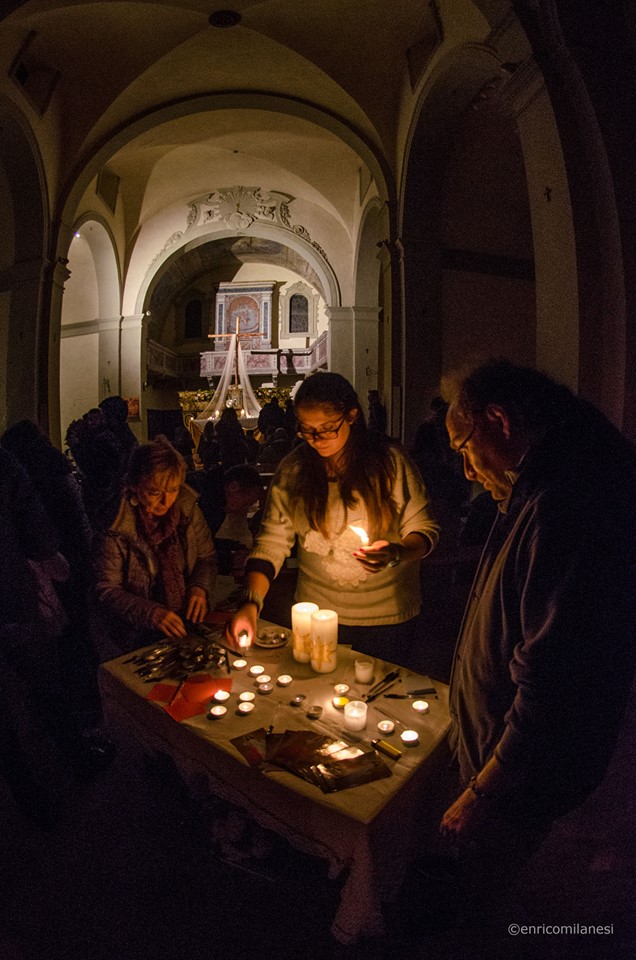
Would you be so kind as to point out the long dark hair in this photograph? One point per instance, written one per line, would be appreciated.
(366, 469)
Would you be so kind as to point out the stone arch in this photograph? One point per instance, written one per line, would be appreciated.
(24, 269)
(321, 271)
(291, 106)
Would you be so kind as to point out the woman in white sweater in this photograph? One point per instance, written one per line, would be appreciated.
(342, 477)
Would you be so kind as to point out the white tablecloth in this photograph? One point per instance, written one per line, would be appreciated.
(369, 830)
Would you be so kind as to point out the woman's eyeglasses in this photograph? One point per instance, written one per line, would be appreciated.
(312, 435)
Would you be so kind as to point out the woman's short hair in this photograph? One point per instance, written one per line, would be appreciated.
(158, 456)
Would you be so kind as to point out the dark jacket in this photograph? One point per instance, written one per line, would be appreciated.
(25, 534)
(127, 569)
(545, 655)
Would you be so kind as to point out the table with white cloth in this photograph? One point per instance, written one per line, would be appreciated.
(371, 831)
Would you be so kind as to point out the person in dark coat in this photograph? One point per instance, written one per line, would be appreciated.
(548, 631)
(29, 759)
(115, 409)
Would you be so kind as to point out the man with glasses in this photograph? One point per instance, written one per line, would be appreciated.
(545, 656)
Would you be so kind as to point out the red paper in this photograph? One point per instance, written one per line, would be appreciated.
(182, 709)
(202, 687)
(193, 697)
(162, 692)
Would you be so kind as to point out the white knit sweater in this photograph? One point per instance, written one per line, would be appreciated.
(328, 573)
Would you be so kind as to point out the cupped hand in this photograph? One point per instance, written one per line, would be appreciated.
(196, 604)
(245, 618)
(169, 622)
(377, 555)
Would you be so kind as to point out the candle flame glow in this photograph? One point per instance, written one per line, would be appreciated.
(360, 532)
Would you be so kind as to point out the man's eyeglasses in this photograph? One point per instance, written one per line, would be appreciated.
(320, 434)
(460, 448)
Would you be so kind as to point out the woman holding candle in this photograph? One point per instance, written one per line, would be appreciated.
(156, 564)
(342, 477)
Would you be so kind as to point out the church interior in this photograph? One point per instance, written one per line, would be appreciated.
(384, 190)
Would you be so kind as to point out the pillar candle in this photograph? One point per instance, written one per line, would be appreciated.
(324, 641)
(301, 629)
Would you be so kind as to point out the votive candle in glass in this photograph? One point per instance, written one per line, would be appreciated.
(324, 641)
(355, 715)
(364, 670)
(301, 630)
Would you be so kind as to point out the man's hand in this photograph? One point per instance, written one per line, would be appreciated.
(170, 623)
(196, 604)
(462, 820)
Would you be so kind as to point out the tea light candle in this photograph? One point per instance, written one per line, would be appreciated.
(355, 715)
(364, 671)
(265, 687)
(245, 707)
(340, 702)
(386, 726)
(264, 678)
(421, 706)
(256, 670)
(244, 641)
(301, 630)
(247, 696)
(239, 664)
(340, 689)
(284, 680)
(409, 738)
(324, 641)
(216, 712)
(222, 695)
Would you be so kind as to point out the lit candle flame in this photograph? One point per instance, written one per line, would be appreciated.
(360, 532)
(244, 639)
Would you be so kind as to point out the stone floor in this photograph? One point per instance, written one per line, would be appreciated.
(132, 872)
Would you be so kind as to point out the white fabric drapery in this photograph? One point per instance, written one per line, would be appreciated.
(251, 406)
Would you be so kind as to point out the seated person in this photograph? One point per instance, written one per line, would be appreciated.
(156, 563)
(233, 529)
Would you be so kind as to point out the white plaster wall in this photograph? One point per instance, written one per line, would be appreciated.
(79, 377)
(557, 349)
(81, 296)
